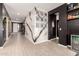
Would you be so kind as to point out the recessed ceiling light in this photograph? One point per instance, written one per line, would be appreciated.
(18, 13)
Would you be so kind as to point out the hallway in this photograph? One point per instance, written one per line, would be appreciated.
(18, 45)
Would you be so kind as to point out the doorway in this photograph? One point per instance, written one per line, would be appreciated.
(15, 27)
(53, 25)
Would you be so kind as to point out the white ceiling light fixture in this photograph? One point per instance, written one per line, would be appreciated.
(18, 14)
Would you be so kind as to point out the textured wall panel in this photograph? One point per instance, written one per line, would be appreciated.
(36, 25)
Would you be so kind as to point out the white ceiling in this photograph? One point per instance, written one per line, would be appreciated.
(18, 11)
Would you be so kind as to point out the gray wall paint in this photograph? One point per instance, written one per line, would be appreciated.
(0, 16)
(1, 28)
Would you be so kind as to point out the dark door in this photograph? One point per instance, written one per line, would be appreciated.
(57, 28)
(52, 26)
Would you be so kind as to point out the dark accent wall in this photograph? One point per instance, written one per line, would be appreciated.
(62, 22)
(2, 40)
(73, 29)
(73, 26)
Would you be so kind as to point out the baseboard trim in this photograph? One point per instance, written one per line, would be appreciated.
(5, 43)
(53, 39)
(41, 42)
(62, 45)
(1, 47)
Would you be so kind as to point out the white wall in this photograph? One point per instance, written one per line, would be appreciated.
(38, 24)
(15, 27)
